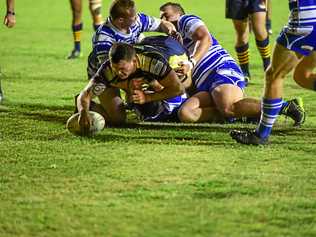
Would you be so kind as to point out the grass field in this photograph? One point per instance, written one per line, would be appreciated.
(146, 179)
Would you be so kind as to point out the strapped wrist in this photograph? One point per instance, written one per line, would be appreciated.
(11, 13)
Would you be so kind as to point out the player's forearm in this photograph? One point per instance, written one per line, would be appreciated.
(166, 93)
(83, 101)
(201, 48)
(166, 27)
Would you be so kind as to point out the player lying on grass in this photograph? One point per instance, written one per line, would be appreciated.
(216, 77)
(144, 73)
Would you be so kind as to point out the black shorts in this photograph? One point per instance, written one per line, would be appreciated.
(240, 9)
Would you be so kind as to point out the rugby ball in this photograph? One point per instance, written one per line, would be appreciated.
(97, 125)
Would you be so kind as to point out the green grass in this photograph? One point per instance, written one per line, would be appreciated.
(144, 179)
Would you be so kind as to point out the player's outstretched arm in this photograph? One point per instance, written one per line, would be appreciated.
(83, 104)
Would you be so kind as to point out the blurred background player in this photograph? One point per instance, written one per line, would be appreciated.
(241, 11)
(295, 49)
(77, 25)
(9, 21)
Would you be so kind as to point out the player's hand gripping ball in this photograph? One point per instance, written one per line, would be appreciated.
(97, 124)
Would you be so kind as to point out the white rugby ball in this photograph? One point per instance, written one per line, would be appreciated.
(97, 125)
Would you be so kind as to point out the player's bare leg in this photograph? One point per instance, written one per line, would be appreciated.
(305, 74)
(283, 61)
(199, 108)
(95, 7)
(76, 8)
(230, 101)
(269, 17)
(113, 106)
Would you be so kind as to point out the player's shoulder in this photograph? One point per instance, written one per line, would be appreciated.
(187, 20)
(188, 17)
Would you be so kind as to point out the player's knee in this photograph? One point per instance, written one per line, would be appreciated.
(186, 115)
(95, 7)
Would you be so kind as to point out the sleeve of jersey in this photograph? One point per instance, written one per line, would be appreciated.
(189, 23)
(148, 23)
(100, 82)
(102, 45)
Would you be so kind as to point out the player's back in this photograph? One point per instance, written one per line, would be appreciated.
(303, 13)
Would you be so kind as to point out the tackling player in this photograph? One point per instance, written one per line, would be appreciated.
(216, 77)
(123, 25)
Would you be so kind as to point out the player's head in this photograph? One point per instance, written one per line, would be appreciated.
(123, 12)
(171, 11)
(123, 59)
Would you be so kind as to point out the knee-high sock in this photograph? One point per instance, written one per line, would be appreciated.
(243, 58)
(77, 29)
(265, 51)
(270, 109)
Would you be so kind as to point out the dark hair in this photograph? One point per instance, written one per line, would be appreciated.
(119, 8)
(175, 6)
(121, 51)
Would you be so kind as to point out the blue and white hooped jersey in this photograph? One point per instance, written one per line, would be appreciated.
(215, 56)
(107, 34)
(302, 13)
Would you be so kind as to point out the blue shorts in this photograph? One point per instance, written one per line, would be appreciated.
(301, 40)
(227, 73)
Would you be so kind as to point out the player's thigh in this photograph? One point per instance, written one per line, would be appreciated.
(200, 99)
(225, 96)
(76, 5)
(306, 66)
(283, 61)
(112, 103)
(258, 20)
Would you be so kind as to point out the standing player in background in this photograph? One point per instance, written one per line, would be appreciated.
(240, 11)
(77, 25)
(295, 49)
(217, 79)
(9, 21)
